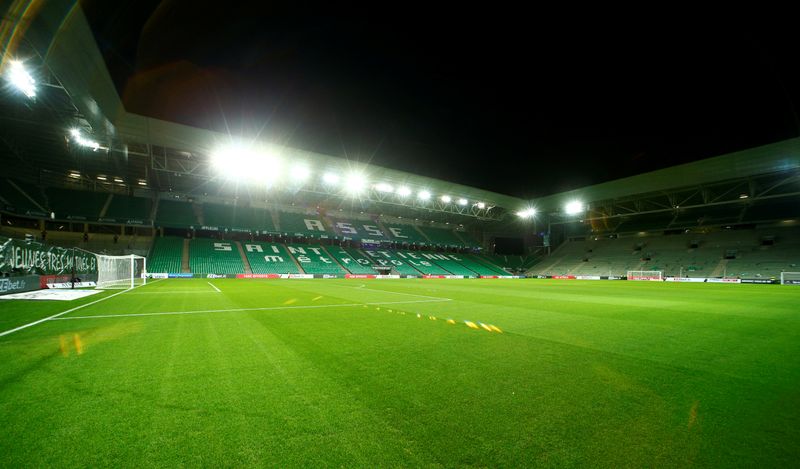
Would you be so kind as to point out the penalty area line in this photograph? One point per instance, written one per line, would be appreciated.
(239, 310)
(214, 287)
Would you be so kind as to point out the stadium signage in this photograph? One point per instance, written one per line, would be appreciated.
(216, 276)
(180, 275)
(766, 281)
(563, 277)
(36, 258)
(63, 285)
(703, 280)
(360, 276)
(19, 284)
(159, 275)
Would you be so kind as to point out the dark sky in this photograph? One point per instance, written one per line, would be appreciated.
(519, 102)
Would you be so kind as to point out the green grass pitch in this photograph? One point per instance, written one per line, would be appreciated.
(352, 373)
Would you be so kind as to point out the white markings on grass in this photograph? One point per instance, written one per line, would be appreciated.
(55, 316)
(238, 310)
(214, 287)
(399, 293)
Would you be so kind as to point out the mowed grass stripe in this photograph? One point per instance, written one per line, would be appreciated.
(355, 386)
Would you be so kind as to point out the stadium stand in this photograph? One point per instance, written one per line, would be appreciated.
(165, 255)
(492, 266)
(176, 214)
(315, 259)
(269, 258)
(207, 256)
(421, 261)
(76, 205)
(358, 229)
(467, 239)
(355, 265)
(124, 207)
(402, 233)
(469, 261)
(254, 218)
(441, 237)
(17, 197)
(308, 226)
(449, 262)
(733, 253)
(389, 258)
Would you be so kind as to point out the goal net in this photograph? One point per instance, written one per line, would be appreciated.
(790, 278)
(121, 271)
(654, 275)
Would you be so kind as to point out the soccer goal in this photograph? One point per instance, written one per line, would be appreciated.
(790, 278)
(652, 275)
(121, 271)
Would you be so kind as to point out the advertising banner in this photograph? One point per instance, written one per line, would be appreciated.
(19, 284)
(30, 257)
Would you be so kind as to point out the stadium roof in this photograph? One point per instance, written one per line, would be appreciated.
(60, 35)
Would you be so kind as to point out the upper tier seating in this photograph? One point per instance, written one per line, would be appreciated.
(315, 259)
(176, 214)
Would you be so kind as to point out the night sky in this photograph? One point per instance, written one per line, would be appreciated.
(518, 102)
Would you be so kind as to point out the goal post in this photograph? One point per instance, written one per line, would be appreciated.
(121, 271)
(647, 275)
(790, 278)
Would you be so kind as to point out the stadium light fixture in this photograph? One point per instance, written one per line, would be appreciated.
(102, 178)
(403, 191)
(74, 174)
(118, 180)
(21, 79)
(446, 199)
(299, 173)
(384, 187)
(243, 162)
(527, 213)
(462, 202)
(481, 205)
(82, 141)
(424, 195)
(330, 178)
(142, 182)
(574, 207)
(743, 195)
(356, 182)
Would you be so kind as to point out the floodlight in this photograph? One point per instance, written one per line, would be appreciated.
(356, 182)
(116, 179)
(21, 79)
(383, 187)
(74, 174)
(403, 191)
(462, 202)
(82, 141)
(142, 182)
(481, 205)
(330, 178)
(299, 173)
(574, 207)
(446, 199)
(424, 195)
(237, 161)
(102, 178)
(527, 213)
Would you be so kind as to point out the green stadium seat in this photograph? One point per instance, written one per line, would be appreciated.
(175, 214)
(401, 233)
(207, 256)
(389, 258)
(354, 263)
(269, 258)
(314, 259)
(308, 226)
(166, 255)
(442, 237)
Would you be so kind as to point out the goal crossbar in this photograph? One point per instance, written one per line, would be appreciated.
(651, 275)
(121, 271)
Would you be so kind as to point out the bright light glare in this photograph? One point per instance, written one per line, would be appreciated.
(446, 199)
(84, 142)
(330, 178)
(527, 213)
(462, 202)
(424, 195)
(243, 162)
(574, 207)
(21, 79)
(481, 205)
(403, 191)
(356, 182)
(299, 173)
(383, 187)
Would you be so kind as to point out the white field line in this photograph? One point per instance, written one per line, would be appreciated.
(399, 293)
(169, 292)
(236, 310)
(55, 316)
(214, 287)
